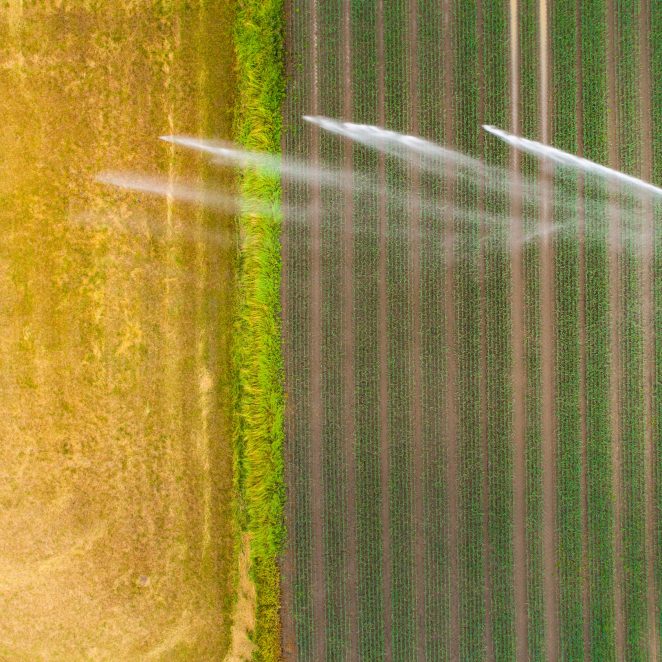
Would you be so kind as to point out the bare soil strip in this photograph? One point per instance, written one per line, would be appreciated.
(316, 404)
(452, 369)
(581, 235)
(547, 316)
(519, 381)
(648, 231)
(383, 348)
(349, 432)
(418, 459)
(614, 336)
(288, 568)
(485, 499)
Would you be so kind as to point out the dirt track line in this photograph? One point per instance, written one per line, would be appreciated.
(518, 368)
(349, 385)
(547, 350)
(288, 566)
(451, 344)
(614, 336)
(647, 322)
(316, 404)
(384, 432)
(581, 233)
(418, 459)
(485, 497)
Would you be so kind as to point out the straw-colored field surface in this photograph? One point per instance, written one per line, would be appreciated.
(116, 536)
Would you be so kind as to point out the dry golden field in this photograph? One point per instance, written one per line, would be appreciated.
(116, 540)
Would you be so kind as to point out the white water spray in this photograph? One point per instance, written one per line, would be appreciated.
(570, 160)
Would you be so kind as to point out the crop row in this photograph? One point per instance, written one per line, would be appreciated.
(431, 107)
(656, 105)
(296, 324)
(496, 330)
(598, 451)
(631, 338)
(567, 348)
(370, 490)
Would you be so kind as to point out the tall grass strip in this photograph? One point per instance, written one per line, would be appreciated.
(257, 351)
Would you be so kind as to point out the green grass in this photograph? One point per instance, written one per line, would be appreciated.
(257, 351)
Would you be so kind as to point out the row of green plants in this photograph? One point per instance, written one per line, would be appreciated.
(370, 432)
(259, 434)
(567, 355)
(529, 122)
(633, 495)
(497, 342)
(656, 119)
(600, 494)
(297, 332)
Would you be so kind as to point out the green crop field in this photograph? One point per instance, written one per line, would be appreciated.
(472, 413)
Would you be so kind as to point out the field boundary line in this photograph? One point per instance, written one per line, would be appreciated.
(288, 560)
(257, 350)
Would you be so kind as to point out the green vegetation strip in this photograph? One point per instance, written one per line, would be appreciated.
(297, 288)
(467, 310)
(366, 274)
(431, 34)
(257, 350)
(599, 457)
(632, 412)
(497, 325)
(566, 277)
(656, 105)
(530, 129)
(399, 333)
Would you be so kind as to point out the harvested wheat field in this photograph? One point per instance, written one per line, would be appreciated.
(472, 330)
(116, 529)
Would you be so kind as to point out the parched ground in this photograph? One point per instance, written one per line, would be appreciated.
(116, 537)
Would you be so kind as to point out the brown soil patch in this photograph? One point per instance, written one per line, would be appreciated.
(243, 615)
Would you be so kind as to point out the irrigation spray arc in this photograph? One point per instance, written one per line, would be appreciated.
(434, 160)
